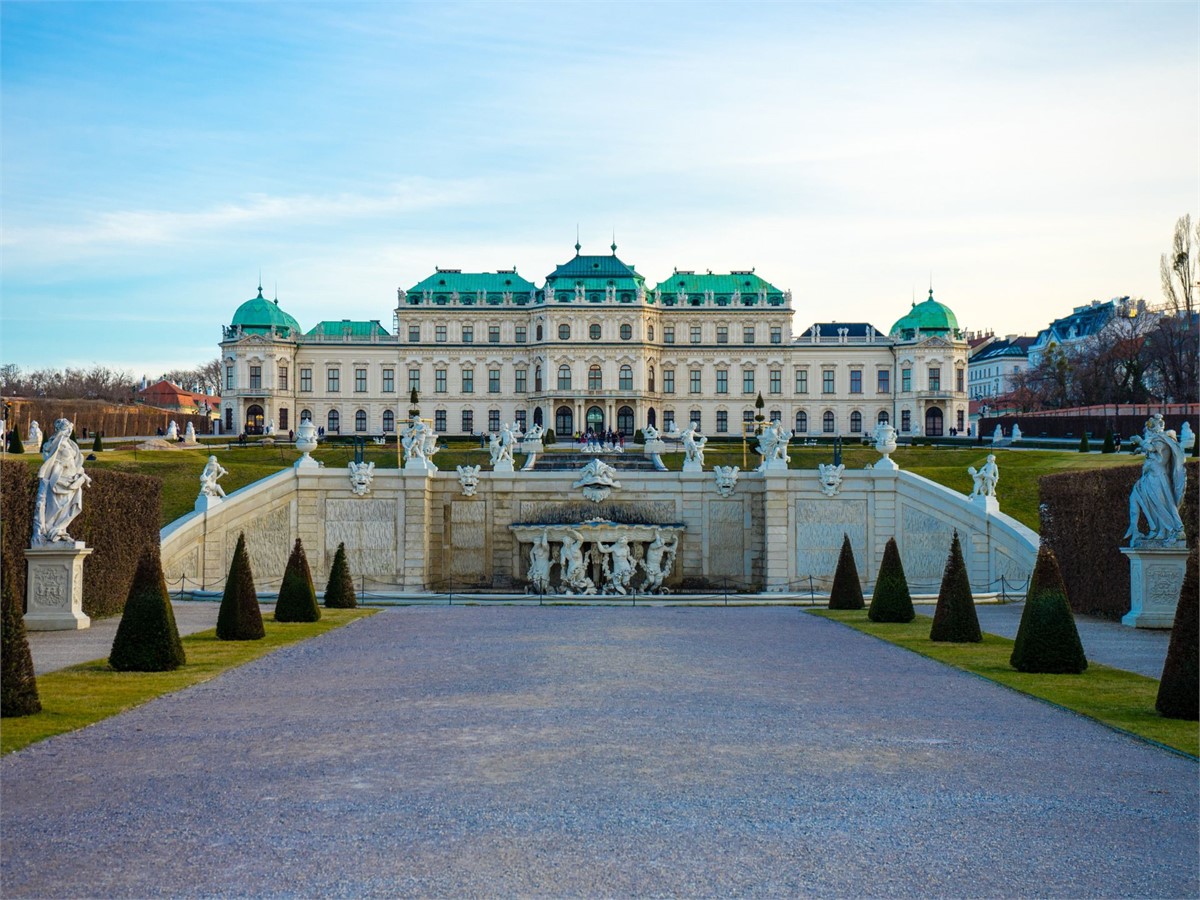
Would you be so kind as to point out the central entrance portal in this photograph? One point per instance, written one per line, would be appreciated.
(595, 418)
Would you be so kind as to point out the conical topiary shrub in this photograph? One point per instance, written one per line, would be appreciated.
(1047, 639)
(18, 684)
(955, 619)
(14, 442)
(297, 596)
(1084, 446)
(147, 639)
(97, 444)
(339, 593)
(846, 592)
(891, 601)
(1179, 690)
(1110, 442)
(240, 619)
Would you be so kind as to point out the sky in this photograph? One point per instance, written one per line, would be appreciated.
(155, 158)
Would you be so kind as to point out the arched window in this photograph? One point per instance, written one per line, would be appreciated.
(775, 416)
(564, 332)
(305, 414)
(538, 333)
(626, 332)
(360, 420)
(625, 382)
(651, 417)
(883, 418)
(537, 415)
(855, 422)
(650, 334)
(595, 379)
(695, 418)
(650, 380)
(933, 422)
(594, 331)
(802, 422)
(827, 422)
(564, 378)
(254, 419)
(389, 421)
(563, 421)
(537, 378)
(625, 421)
(333, 422)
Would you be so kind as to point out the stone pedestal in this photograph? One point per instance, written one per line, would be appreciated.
(205, 502)
(692, 465)
(416, 464)
(886, 464)
(54, 587)
(532, 447)
(773, 465)
(987, 504)
(1155, 580)
(306, 462)
(505, 465)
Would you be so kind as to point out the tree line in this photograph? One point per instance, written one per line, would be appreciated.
(100, 382)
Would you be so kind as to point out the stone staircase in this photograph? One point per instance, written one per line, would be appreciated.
(569, 460)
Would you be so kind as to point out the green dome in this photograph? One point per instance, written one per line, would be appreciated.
(258, 315)
(929, 317)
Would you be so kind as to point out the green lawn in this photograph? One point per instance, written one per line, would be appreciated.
(75, 697)
(1114, 697)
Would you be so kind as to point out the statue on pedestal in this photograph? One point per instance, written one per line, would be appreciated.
(189, 435)
(173, 431)
(208, 479)
(35, 436)
(60, 487)
(419, 443)
(693, 446)
(986, 478)
(1158, 494)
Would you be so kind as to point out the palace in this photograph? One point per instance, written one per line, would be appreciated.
(596, 347)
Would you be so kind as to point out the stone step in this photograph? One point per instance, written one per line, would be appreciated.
(570, 461)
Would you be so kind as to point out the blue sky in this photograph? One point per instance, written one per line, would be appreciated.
(157, 156)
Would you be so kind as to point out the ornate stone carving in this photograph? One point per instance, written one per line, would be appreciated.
(772, 444)
(574, 572)
(885, 445)
(208, 479)
(306, 443)
(618, 565)
(830, 477)
(361, 474)
(659, 561)
(51, 588)
(501, 445)
(727, 477)
(598, 479)
(1158, 493)
(539, 564)
(468, 479)
(420, 443)
(693, 448)
(60, 488)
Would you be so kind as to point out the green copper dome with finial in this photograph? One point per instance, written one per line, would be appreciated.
(927, 318)
(259, 315)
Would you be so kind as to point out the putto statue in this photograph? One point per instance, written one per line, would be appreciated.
(830, 477)
(772, 444)
(208, 479)
(419, 443)
(534, 434)
(361, 474)
(660, 559)
(500, 446)
(727, 477)
(60, 487)
(468, 479)
(35, 436)
(693, 447)
(986, 478)
(1159, 491)
(539, 563)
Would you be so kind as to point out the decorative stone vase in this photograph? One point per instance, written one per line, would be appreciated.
(306, 443)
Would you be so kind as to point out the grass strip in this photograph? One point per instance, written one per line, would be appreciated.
(1113, 697)
(78, 696)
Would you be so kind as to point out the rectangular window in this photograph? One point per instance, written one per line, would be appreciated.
(777, 381)
(958, 380)
(520, 334)
(306, 380)
(827, 381)
(439, 421)
(856, 381)
(905, 421)
(722, 334)
(883, 381)
(494, 383)
(468, 381)
(776, 334)
(468, 333)
(747, 420)
(389, 381)
(283, 373)
(906, 379)
(256, 378)
(283, 418)
(414, 380)
(229, 378)
(468, 421)
(668, 381)
(801, 381)
(748, 334)
(935, 378)
(439, 334)
(414, 333)
(722, 421)
(747, 381)
(522, 377)
(668, 420)
(493, 420)
(333, 380)
(229, 418)
(694, 381)
(360, 380)
(493, 334)
(695, 334)
(722, 381)
(668, 334)
(520, 419)
(439, 381)
(960, 421)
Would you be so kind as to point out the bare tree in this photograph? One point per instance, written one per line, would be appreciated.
(1175, 344)
(1180, 268)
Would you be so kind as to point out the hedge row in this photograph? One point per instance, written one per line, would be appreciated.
(114, 420)
(1084, 516)
(119, 520)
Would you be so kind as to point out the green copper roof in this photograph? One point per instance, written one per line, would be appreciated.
(589, 267)
(447, 281)
(929, 317)
(721, 285)
(341, 327)
(259, 315)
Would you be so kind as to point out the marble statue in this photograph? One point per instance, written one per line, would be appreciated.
(534, 434)
(468, 479)
(659, 560)
(574, 571)
(501, 445)
(208, 479)
(361, 474)
(772, 445)
(618, 565)
(1016, 433)
(173, 431)
(36, 439)
(1187, 437)
(998, 434)
(727, 477)
(539, 563)
(61, 481)
(650, 433)
(885, 445)
(189, 435)
(693, 447)
(986, 478)
(419, 443)
(270, 427)
(1159, 491)
(598, 479)
(831, 478)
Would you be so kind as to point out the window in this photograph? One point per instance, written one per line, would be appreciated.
(520, 419)
(827, 381)
(414, 333)
(668, 420)
(747, 420)
(649, 332)
(935, 378)
(564, 378)
(695, 334)
(414, 380)
(256, 378)
(855, 422)
(668, 337)
(625, 379)
(650, 380)
(722, 381)
(229, 378)
(564, 332)
(493, 334)
(229, 418)
(522, 377)
(722, 421)
(538, 333)
(801, 381)
(958, 380)
(906, 379)
(802, 422)
(695, 417)
(283, 378)
(537, 379)
(468, 333)
(883, 381)
(493, 420)
(626, 332)
(283, 418)
(439, 334)
(668, 381)
(694, 381)
(776, 334)
(439, 420)
(748, 334)
(360, 380)
(827, 423)
(520, 334)
(333, 421)
(468, 421)
(306, 379)
(389, 381)
(905, 421)
(468, 381)
(595, 379)
(493, 381)
(777, 381)
(594, 331)
(856, 381)
(722, 334)
(389, 421)
(747, 381)
(333, 380)
(883, 418)
(439, 381)
(360, 420)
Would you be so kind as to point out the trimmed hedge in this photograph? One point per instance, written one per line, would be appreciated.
(1084, 516)
(147, 639)
(846, 592)
(18, 684)
(339, 592)
(18, 492)
(955, 619)
(297, 598)
(14, 442)
(1047, 639)
(891, 601)
(1179, 690)
(239, 618)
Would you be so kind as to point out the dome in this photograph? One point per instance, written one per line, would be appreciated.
(929, 317)
(259, 315)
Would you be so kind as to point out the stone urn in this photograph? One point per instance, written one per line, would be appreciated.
(885, 444)
(306, 443)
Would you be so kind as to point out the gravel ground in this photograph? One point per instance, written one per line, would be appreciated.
(463, 752)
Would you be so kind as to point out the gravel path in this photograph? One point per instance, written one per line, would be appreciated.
(596, 751)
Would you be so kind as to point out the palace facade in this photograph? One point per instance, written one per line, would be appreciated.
(594, 346)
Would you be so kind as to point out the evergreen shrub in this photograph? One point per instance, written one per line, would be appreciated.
(297, 596)
(846, 592)
(339, 592)
(97, 444)
(239, 618)
(1179, 689)
(891, 601)
(1110, 442)
(1047, 639)
(147, 638)
(18, 684)
(548, 437)
(955, 619)
(14, 442)
(639, 437)
(1084, 446)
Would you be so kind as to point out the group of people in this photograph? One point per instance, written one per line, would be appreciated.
(597, 439)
